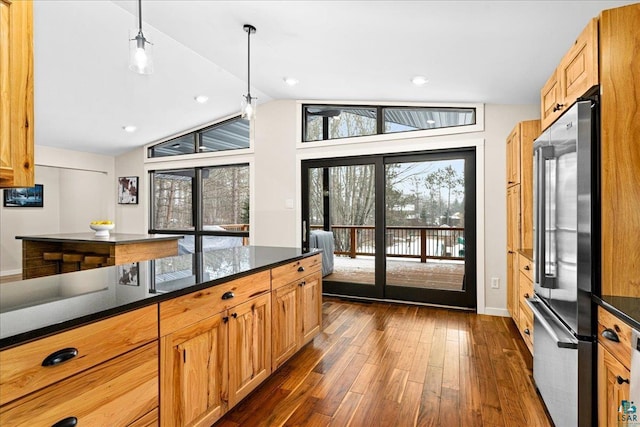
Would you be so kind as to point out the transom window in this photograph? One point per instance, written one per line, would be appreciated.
(232, 134)
(324, 122)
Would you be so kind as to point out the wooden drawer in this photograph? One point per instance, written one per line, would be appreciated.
(622, 349)
(115, 393)
(526, 266)
(294, 271)
(525, 288)
(21, 369)
(183, 311)
(526, 325)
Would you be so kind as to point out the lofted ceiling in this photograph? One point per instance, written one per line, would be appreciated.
(470, 51)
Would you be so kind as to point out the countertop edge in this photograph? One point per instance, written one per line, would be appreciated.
(106, 241)
(36, 334)
(635, 324)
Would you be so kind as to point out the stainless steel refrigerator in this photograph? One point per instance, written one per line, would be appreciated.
(565, 260)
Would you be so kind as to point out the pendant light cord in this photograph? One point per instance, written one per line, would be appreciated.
(140, 16)
(249, 64)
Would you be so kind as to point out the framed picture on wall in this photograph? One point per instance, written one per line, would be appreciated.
(25, 197)
(128, 190)
(128, 274)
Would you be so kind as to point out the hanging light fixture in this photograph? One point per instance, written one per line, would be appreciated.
(248, 105)
(140, 49)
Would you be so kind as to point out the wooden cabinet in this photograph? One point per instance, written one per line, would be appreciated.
(296, 307)
(215, 349)
(614, 363)
(22, 369)
(525, 290)
(576, 74)
(115, 393)
(519, 207)
(104, 373)
(195, 373)
(620, 150)
(249, 346)
(16, 94)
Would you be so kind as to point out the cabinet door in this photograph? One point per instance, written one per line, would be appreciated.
(512, 286)
(579, 67)
(550, 101)
(513, 157)
(513, 218)
(249, 346)
(286, 329)
(16, 94)
(310, 303)
(194, 373)
(613, 389)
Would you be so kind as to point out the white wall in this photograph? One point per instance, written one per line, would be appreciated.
(133, 218)
(78, 188)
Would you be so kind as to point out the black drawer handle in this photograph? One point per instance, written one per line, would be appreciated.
(526, 267)
(225, 319)
(60, 356)
(300, 269)
(228, 295)
(302, 283)
(67, 422)
(234, 315)
(621, 380)
(526, 296)
(558, 107)
(611, 335)
(527, 332)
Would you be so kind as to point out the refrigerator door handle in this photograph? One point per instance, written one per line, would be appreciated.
(542, 155)
(551, 325)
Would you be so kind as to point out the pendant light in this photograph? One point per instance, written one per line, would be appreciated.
(248, 105)
(140, 49)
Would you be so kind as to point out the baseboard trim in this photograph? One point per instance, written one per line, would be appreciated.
(10, 272)
(493, 311)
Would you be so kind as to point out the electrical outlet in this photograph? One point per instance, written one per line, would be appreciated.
(495, 283)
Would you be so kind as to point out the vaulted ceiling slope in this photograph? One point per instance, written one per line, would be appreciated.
(470, 51)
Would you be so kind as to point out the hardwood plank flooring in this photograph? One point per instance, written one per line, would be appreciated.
(383, 364)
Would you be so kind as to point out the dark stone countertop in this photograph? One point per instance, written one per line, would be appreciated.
(35, 308)
(625, 308)
(112, 238)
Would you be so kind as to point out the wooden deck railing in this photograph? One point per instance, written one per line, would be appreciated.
(401, 241)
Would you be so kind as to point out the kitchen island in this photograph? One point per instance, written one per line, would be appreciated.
(48, 254)
(83, 347)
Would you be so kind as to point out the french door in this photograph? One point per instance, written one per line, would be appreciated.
(402, 226)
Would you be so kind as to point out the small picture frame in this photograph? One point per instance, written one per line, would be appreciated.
(128, 190)
(24, 197)
(128, 274)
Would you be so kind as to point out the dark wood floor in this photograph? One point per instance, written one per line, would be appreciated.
(383, 364)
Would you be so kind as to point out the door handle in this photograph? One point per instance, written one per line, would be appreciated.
(533, 303)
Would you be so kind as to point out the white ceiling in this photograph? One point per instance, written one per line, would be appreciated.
(471, 51)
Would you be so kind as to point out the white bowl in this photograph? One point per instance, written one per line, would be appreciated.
(102, 230)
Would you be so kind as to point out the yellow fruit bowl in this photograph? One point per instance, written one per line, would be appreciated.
(102, 230)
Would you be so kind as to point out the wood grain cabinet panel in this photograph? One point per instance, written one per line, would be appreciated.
(579, 67)
(295, 270)
(613, 388)
(620, 150)
(21, 369)
(16, 94)
(551, 103)
(194, 378)
(249, 346)
(286, 325)
(310, 307)
(115, 393)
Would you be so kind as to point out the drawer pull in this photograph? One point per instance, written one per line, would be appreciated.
(300, 269)
(526, 267)
(302, 283)
(526, 296)
(527, 331)
(60, 356)
(622, 380)
(67, 422)
(228, 295)
(234, 315)
(225, 319)
(611, 335)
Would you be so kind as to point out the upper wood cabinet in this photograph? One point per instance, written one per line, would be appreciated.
(16, 94)
(576, 74)
(620, 150)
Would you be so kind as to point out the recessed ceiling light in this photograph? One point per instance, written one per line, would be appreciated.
(201, 99)
(419, 80)
(291, 81)
(129, 128)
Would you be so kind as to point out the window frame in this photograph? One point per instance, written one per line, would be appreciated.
(379, 137)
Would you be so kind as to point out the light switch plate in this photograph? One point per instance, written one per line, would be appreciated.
(495, 283)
